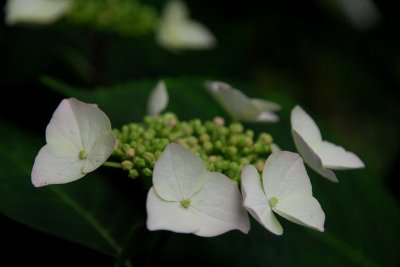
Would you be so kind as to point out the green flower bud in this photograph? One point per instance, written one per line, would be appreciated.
(127, 165)
(147, 172)
(133, 173)
(265, 138)
(231, 151)
(139, 162)
(204, 137)
(236, 127)
(208, 146)
(149, 134)
(149, 158)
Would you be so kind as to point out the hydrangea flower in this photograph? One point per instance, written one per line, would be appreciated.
(186, 198)
(285, 189)
(320, 155)
(176, 31)
(239, 106)
(158, 99)
(35, 11)
(79, 140)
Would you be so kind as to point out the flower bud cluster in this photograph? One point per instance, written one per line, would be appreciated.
(129, 18)
(224, 148)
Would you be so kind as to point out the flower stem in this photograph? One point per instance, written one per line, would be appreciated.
(112, 164)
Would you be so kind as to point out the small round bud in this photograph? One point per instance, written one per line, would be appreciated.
(208, 146)
(127, 165)
(260, 165)
(139, 162)
(130, 152)
(219, 121)
(133, 173)
(236, 127)
(265, 138)
(147, 172)
(231, 150)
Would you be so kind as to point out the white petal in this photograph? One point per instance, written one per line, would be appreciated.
(52, 168)
(337, 158)
(256, 202)
(305, 126)
(79, 124)
(158, 99)
(311, 158)
(235, 103)
(219, 207)
(101, 151)
(178, 174)
(169, 215)
(238, 105)
(302, 209)
(35, 11)
(177, 31)
(284, 173)
(267, 116)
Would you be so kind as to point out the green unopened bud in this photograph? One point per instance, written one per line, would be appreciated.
(192, 141)
(258, 148)
(139, 162)
(187, 129)
(222, 131)
(236, 127)
(149, 134)
(231, 151)
(204, 137)
(133, 173)
(147, 172)
(234, 139)
(149, 158)
(260, 165)
(245, 141)
(265, 138)
(218, 145)
(140, 149)
(127, 165)
(208, 146)
(249, 133)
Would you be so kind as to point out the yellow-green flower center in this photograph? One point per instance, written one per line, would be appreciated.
(273, 201)
(83, 154)
(185, 203)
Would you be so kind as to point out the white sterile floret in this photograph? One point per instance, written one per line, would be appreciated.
(186, 198)
(285, 189)
(176, 31)
(79, 139)
(318, 154)
(158, 99)
(239, 106)
(35, 11)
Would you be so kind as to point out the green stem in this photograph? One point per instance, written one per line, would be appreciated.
(112, 164)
